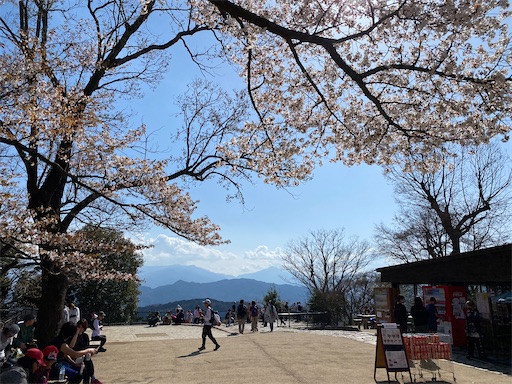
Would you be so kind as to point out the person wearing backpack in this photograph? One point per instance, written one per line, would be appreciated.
(207, 326)
(241, 316)
(255, 314)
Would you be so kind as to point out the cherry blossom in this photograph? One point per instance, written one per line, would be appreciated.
(343, 81)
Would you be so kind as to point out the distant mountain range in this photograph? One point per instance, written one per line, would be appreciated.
(165, 284)
(224, 290)
(156, 276)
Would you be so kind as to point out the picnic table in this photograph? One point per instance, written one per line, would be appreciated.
(364, 320)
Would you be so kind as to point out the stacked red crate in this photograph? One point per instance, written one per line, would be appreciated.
(422, 347)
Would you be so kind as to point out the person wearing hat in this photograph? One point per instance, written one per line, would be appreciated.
(207, 326)
(6, 340)
(96, 335)
(24, 371)
(25, 337)
(50, 353)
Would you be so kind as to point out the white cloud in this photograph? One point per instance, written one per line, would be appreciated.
(264, 253)
(167, 250)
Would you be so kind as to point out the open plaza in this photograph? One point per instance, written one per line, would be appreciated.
(166, 354)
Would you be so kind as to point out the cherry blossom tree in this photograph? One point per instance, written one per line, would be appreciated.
(70, 157)
(364, 80)
(343, 81)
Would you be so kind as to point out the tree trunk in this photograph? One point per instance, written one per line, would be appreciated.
(455, 244)
(54, 286)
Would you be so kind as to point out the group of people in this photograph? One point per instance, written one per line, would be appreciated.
(206, 317)
(242, 313)
(253, 314)
(425, 319)
(34, 366)
(169, 318)
(67, 356)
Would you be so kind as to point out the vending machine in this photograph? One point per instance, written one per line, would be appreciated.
(450, 302)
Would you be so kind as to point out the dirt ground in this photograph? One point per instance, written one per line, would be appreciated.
(165, 354)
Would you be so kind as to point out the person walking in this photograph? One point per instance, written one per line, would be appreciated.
(241, 316)
(270, 315)
(207, 326)
(254, 313)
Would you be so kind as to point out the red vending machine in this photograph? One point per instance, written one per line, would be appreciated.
(450, 303)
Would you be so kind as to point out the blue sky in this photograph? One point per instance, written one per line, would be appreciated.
(355, 198)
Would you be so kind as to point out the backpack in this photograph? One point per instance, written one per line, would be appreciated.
(215, 319)
(91, 324)
(254, 311)
(242, 311)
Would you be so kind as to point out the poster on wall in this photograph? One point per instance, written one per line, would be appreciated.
(450, 303)
(440, 296)
(482, 303)
(383, 298)
(458, 304)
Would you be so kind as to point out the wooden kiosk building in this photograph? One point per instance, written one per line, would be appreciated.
(488, 270)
